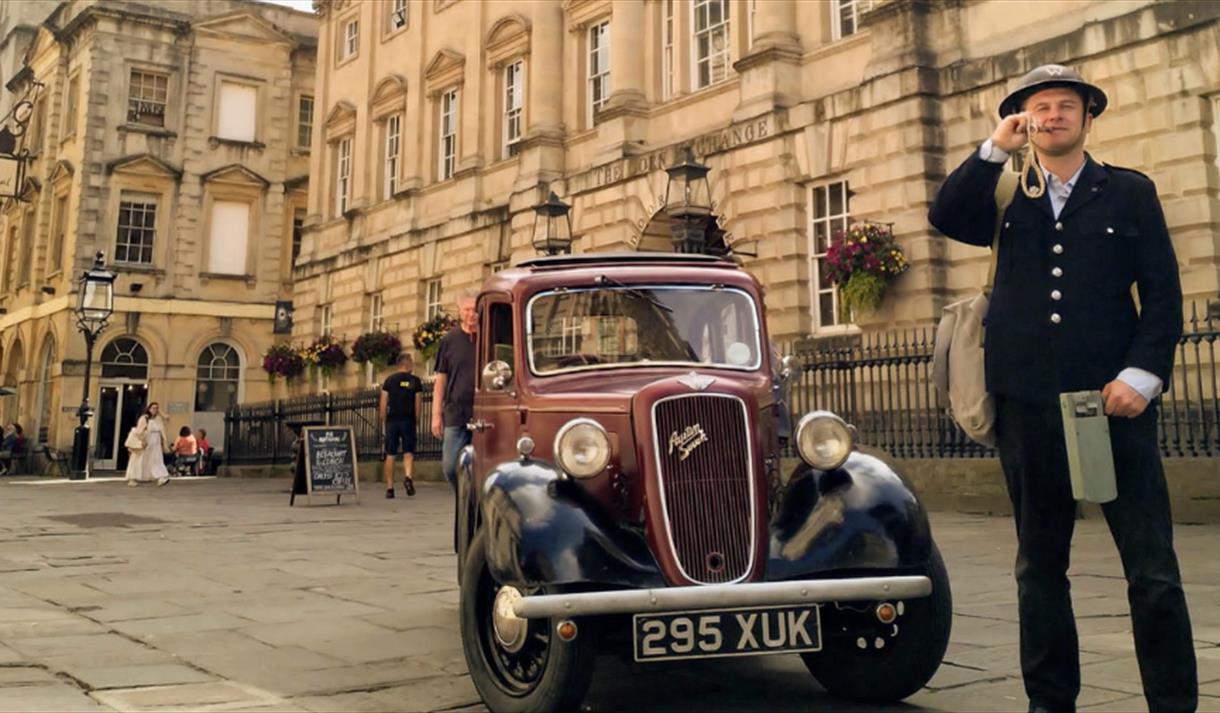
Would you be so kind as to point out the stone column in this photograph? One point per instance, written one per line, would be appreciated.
(770, 72)
(775, 25)
(545, 85)
(627, 55)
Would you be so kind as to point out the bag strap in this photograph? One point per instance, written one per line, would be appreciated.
(1005, 191)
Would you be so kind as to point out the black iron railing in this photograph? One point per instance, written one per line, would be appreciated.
(883, 384)
(260, 433)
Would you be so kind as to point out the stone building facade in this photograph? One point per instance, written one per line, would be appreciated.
(168, 136)
(442, 122)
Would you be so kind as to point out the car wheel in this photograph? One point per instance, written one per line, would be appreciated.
(906, 663)
(518, 665)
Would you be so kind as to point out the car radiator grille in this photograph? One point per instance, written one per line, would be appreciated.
(707, 493)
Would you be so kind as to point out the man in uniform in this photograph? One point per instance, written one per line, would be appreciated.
(1062, 318)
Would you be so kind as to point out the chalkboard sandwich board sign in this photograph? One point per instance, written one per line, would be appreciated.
(329, 457)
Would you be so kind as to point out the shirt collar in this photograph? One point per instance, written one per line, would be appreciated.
(1069, 184)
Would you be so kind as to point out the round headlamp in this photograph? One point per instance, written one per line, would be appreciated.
(582, 448)
(824, 440)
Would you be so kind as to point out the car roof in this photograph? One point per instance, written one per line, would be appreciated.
(544, 273)
(623, 258)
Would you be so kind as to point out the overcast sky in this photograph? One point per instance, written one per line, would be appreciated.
(304, 5)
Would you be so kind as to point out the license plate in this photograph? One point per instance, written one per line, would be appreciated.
(727, 632)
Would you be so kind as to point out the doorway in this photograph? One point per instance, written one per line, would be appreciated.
(119, 406)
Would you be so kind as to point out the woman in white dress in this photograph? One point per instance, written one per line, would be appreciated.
(147, 464)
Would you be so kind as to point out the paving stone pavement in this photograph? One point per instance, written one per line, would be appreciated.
(214, 595)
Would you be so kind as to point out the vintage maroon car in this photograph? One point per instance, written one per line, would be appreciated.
(624, 489)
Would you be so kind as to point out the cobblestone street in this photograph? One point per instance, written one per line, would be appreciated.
(215, 595)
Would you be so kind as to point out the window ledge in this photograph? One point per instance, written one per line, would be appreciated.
(300, 151)
(148, 129)
(346, 60)
(224, 276)
(394, 32)
(138, 268)
(215, 141)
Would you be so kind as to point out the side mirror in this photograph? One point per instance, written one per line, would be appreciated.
(787, 369)
(497, 376)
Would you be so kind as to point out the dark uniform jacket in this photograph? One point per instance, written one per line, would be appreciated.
(1062, 316)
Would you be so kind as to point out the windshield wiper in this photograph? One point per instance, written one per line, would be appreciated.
(634, 292)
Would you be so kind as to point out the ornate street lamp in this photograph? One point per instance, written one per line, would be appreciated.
(688, 201)
(95, 304)
(552, 226)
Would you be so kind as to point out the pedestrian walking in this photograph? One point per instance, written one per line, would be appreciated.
(147, 446)
(401, 397)
(453, 390)
(1062, 319)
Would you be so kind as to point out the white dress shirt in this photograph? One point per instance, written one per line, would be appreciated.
(1145, 383)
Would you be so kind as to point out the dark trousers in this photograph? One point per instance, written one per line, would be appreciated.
(1034, 459)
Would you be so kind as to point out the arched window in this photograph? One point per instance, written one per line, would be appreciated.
(218, 376)
(12, 375)
(124, 358)
(46, 412)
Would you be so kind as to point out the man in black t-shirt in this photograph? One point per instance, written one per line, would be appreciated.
(454, 386)
(399, 411)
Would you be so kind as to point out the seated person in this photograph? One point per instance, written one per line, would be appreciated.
(205, 452)
(186, 445)
(13, 446)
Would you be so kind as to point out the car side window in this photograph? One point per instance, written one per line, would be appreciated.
(500, 332)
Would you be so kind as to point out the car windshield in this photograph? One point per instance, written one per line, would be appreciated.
(621, 325)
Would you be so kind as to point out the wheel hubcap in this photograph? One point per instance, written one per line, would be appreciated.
(510, 629)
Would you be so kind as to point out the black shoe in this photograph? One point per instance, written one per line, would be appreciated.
(389, 494)
(409, 484)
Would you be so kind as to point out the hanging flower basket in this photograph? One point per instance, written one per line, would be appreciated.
(427, 336)
(862, 261)
(376, 348)
(283, 360)
(325, 354)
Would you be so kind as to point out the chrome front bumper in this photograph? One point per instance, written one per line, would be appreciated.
(722, 596)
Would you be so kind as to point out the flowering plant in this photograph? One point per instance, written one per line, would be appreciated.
(427, 337)
(283, 360)
(861, 261)
(325, 354)
(378, 348)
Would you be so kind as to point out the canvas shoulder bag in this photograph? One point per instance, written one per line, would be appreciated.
(957, 363)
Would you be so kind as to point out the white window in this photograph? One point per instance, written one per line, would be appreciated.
(343, 173)
(393, 144)
(71, 102)
(238, 107)
(59, 232)
(514, 90)
(447, 150)
(351, 40)
(432, 305)
(667, 49)
(845, 19)
(711, 41)
(325, 319)
(599, 69)
(146, 98)
(229, 237)
(376, 312)
(137, 229)
(831, 213)
(304, 122)
(397, 18)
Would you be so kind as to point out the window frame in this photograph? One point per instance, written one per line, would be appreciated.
(376, 312)
(213, 245)
(227, 370)
(856, 7)
(602, 75)
(349, 40)
(326, 319)
(343, 175)
(449, 105)
(141, 199)
(433, 304)
(131, 88)
(513, 113)
(59, 231)
(726, 25)
(669, 27)
(393, 8)
(71, 107)
(833, 222)
(221, 81)
(305, 121)
(391, 155)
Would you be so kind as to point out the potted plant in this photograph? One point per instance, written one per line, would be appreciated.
(862, 261)
(283, 360)
(325, 354)
(427, 337)
(376, 348)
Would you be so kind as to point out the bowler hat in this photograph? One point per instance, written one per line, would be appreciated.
(1046, 77)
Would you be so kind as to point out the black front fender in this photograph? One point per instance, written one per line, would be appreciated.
(862, 516)
(544, 529)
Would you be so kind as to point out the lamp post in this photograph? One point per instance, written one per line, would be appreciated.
(95, 304)
(688, 201)
(552, 226)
